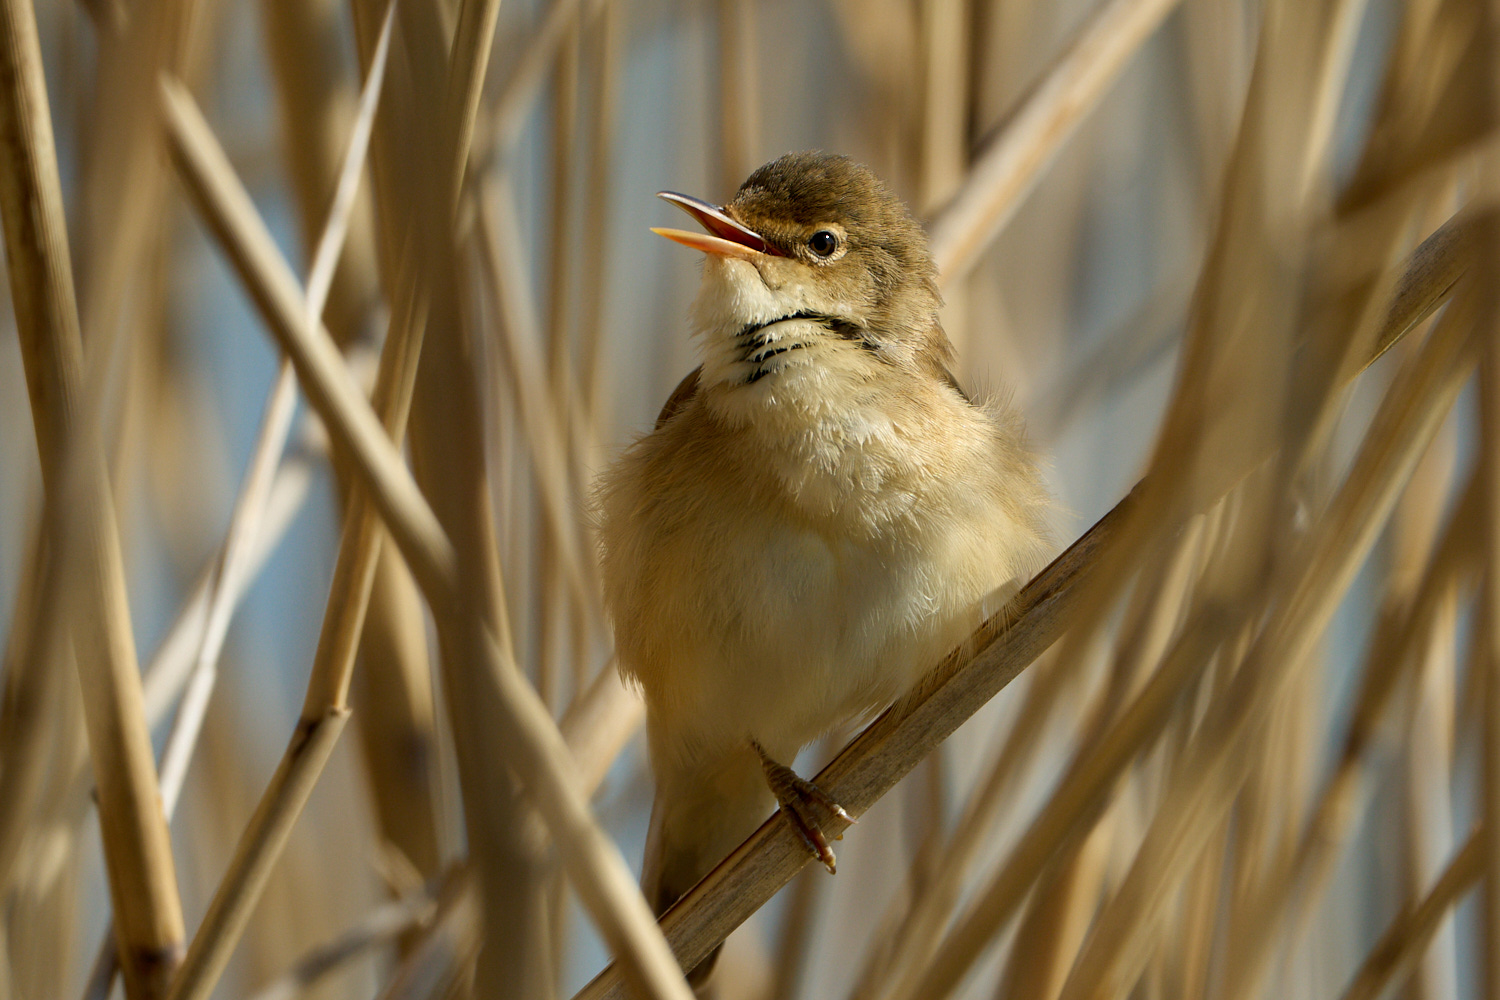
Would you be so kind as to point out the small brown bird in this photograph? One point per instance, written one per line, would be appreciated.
(820, 514)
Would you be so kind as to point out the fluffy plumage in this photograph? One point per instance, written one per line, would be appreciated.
(819, 515)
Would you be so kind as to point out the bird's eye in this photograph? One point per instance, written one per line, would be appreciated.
(823, 243)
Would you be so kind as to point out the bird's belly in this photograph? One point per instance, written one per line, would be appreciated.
(801, 633)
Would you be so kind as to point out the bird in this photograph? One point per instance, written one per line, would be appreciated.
(820, 513)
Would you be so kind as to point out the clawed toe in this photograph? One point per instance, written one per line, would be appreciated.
(800, 800)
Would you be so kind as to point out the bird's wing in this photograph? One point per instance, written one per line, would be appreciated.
(680, 396)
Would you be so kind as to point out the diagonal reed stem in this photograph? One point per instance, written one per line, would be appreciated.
(1010, 164)
(896, 741)
(537, 752)
(1409, 934)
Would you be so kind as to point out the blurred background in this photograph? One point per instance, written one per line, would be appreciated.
(1164, 212)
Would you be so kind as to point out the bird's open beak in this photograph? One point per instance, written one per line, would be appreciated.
(725, 237)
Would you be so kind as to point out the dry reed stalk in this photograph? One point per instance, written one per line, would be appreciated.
(251, 507)
(795, 936)
(1409, 416)
(317, 108)
(1148, 628)
(552, 617)
(598, 724)
(1429, 807)
(31, 697)
(1062, 906)
(393, 697)
(1002, 647)
(1008, 166)
(737, 58)
(1330, 80)
(328, 685)
(1487, 646)
(448, 456)
(1079, 799)
(594, 729)
(543, 421)
(138, 853)
(1413, 929)
(1158, 602)
(1218, 69)
(505, 121)
(1190, 965)
(534, 747)
(1300, 875)
(945, 103)
(393, 705)
(172, 663)
(608, 40)
(227, 208)
(1429, 752)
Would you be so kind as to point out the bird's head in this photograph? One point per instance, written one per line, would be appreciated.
(813, 269)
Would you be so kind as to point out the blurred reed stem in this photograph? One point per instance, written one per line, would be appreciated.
(138, 854)
(393, 695)
(1407, 937)
(1008, 165)
(1001, 649)
(533, 746)
(1486, 661)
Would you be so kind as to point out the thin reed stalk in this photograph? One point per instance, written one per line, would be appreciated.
(1409, 934)
(881, 755)
(1300, 876)
(536, 750)
(1012, 160)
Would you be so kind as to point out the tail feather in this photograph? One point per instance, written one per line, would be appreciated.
(695, 823)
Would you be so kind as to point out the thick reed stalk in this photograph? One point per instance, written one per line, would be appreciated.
(1303, 873)
(1216, 760)
(535, 750)
(137, 849)
(893, 744)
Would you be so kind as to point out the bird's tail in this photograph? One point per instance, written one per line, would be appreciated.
(696, 820)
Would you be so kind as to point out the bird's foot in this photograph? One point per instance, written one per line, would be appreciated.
(799, 800)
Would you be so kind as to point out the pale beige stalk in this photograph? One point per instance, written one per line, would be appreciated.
(1301, 875)
(138, 853)
(1008, 167)
(1409, 416)
(538, 752)
(1409, 934)
(880, 756)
